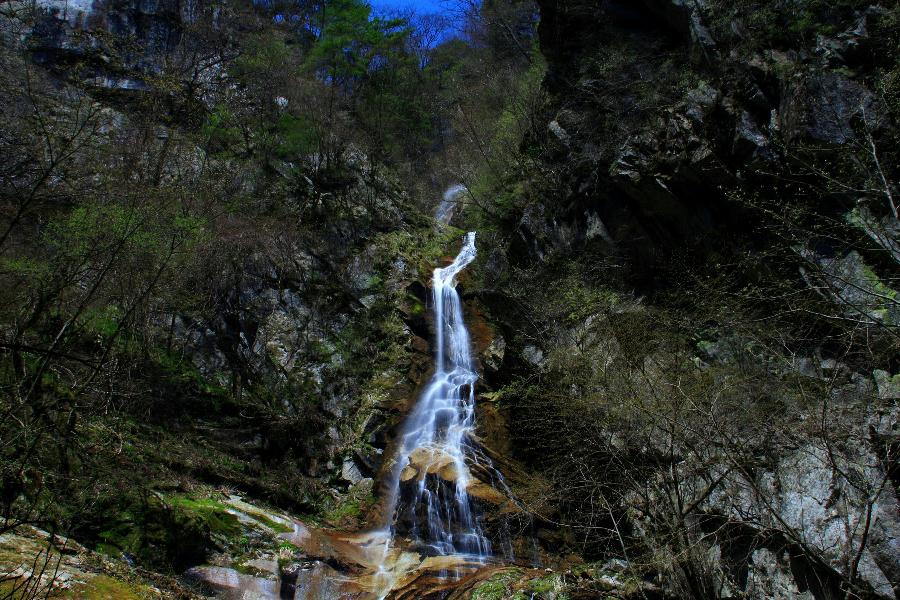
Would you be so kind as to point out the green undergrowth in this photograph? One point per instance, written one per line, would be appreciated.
(422, 247)
(515, 584)
(772, 24)
(154, 498)
(175, 530)
(179, 372)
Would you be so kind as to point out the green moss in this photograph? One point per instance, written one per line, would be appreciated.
(102, 587)
(108, 549)
(168, 533)
(415, 305)
(287, 553)
(270, 523)
(548, 583)
(878, 287)
(706, 346)
(7, 588)
(423, 248)
(374, 281)
(212, 513)
(498, 587)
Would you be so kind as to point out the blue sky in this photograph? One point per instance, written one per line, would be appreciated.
(420, 6)
(448, 8)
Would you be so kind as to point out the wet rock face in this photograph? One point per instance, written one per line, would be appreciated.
(425, 462)
(437, 473)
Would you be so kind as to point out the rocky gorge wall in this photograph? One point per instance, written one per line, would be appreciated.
(693, 183)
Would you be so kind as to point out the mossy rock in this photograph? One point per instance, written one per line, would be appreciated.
(500, 587)
(213, 514)
(546, 584)
(168, 533)
(269, 522)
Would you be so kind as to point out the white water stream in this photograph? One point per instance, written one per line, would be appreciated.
(427, 499)
(439, 513)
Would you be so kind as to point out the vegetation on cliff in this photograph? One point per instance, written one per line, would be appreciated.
(215, 242)
(212, 277)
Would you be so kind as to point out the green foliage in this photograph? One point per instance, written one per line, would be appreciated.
(297, 136)
(344, 511)
(261, 55)
(184, 374)
(221, 129)
(350, 41)
(423, 248)
(104, 320)
(124, 231)
(578, 300)
(499, 184)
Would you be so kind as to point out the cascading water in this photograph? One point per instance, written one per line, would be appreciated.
(427, 497)
(429, 502)
(436, 510)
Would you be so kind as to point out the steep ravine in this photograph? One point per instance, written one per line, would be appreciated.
(671, 370)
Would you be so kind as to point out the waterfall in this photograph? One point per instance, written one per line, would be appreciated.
(428, 499)
(429, 487)
(448, 204)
